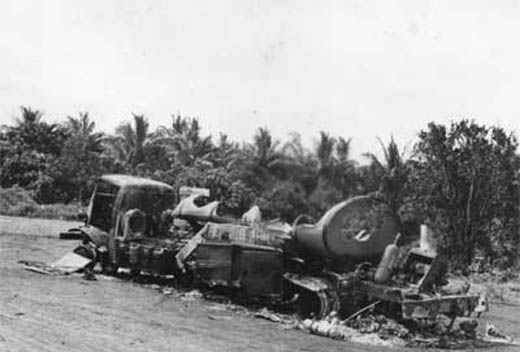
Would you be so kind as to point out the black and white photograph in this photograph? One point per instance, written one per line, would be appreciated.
(246, 175)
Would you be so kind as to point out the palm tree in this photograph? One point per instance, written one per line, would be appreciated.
(325, 155)
(301, 164)
(392, 172)
(265, 149)
(335, 171)
(130, 141)
(183, 142)
(343, 150)
(79, 161)
(295, 150)
(227, 154)
(29, 117)
(32, 133)
(265, 160)
(83, 129)
(345, 168)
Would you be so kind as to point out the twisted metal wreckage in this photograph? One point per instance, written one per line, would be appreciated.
(348, 259)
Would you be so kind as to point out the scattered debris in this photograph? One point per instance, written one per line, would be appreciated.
(378, 329)
(333, 328)
(72, 234)
(167, 291)
(41, 268)
(191, 296)
(217, 308)
(265, 314)
(73, 262)
(494, 334)
(362, 310)
(326, 328)
(219, 317)
(69, 263)
(153, 287)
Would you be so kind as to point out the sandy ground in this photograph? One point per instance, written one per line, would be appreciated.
(67, 313)
(34, 227)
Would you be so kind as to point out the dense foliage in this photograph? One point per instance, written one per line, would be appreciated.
(460, 179)
(464, 183)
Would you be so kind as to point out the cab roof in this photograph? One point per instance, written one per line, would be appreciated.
(132, 181)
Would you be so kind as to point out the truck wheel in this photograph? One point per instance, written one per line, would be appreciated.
(316, 305)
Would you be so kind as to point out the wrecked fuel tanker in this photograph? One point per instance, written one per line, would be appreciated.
(350, 258)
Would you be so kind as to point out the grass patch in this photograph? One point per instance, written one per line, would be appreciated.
(16, 201)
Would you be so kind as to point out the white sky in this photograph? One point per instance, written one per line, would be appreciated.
(358, 69)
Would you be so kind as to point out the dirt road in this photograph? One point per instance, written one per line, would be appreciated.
(67, 313)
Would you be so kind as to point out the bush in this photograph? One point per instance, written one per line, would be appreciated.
(10, 197)
(286, 200)
(16, 201)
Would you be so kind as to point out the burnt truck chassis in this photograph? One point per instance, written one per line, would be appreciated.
(261, 260)
(411, 294)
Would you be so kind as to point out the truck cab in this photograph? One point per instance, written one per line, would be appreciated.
(126, 211)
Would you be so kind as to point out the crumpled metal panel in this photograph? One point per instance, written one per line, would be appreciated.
(429, 308)
(71, 262)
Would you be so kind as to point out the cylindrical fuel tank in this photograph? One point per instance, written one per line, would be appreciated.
(357, 229)
(387, 263)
